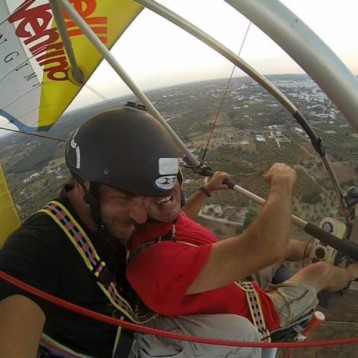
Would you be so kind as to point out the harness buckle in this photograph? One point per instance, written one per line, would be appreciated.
(103, 274)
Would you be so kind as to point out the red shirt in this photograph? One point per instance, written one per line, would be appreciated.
(162, 273)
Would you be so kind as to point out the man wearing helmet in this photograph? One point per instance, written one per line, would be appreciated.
(74, 247)
(119, 160)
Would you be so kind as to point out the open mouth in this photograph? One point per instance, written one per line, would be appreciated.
(164, 201)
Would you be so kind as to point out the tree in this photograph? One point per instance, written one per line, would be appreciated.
(312, 198)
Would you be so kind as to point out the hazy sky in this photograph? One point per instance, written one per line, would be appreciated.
(156, 53)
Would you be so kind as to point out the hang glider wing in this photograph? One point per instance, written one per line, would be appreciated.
(35, 75)
(9, 220)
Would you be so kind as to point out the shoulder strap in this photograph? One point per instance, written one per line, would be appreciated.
(169, 236)
(51, 348)
(253, 301)
(100, 271)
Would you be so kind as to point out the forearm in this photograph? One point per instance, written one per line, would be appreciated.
(21, 327)
(297, 250)
(263, 243)
(197, 200)
(260, 246)
(269, 232)
(194, 204)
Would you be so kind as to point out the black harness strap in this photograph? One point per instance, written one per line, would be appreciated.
(169, 236)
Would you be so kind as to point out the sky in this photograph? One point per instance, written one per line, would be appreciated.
(156, 53)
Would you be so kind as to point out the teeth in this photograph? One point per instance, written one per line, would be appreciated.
(163, 201)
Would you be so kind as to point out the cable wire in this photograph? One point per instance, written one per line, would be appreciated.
(33, 134)
(157, 332)
(224, 95)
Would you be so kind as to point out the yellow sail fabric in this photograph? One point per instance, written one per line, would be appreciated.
(9, 220)
(34, 67)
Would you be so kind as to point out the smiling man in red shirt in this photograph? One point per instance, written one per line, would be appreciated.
(178, 267)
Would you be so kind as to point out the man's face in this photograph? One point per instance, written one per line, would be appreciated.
(120, 211)
(168, 208)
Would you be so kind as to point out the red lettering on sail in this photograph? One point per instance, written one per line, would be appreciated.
(33, 25)
(84, 11)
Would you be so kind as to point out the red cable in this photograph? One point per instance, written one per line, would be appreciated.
(157, 332)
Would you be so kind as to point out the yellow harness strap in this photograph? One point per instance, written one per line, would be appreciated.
(253, 301)
(85, 248)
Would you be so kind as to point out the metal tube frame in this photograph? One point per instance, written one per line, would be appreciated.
(307, 49)
(76, 72)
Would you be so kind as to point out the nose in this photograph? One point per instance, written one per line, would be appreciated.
(138, 212)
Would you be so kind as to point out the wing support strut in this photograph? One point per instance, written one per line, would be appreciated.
(76, 73)
(101, 48)
(307, 49)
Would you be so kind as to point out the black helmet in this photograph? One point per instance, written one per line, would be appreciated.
(125, 148)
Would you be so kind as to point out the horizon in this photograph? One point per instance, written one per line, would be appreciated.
(14, 131)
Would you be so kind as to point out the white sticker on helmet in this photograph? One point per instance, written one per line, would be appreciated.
(78, 157)
(73, 143)
(166, 182)
(168, 166)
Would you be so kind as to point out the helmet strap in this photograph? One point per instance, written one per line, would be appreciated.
(93, 202)
(91, 197)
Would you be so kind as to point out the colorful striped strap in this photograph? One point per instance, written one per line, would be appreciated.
(85, 248)
(253, 301)
(58, 349)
